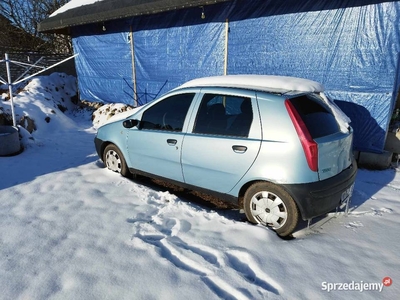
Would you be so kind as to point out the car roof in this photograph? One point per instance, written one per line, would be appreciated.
(267, 83)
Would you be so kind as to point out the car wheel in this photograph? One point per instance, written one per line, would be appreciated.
(114, 160)
(270, 205)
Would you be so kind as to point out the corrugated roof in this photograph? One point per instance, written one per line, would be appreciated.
(114, 9)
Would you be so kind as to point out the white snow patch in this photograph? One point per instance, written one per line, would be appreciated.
(73, 4)
(258, 82)
(113, 112)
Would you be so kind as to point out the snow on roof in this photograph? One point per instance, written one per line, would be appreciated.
(81, 12)
(270, 83)
(73, 4)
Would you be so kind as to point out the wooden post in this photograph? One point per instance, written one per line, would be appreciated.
(135, 100)
(226, 47)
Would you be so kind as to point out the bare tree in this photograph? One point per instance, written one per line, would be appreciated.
(25, 15)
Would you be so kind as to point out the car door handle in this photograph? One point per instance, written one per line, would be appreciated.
(171, 142)
(239, 149)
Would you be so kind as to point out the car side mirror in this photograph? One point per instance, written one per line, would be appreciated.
(130, 123)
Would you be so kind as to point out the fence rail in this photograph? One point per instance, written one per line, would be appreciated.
(29, 70)
(30, 58)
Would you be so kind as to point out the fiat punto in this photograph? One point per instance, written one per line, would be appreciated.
(275, 146)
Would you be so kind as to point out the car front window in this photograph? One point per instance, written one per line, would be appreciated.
(168, 114)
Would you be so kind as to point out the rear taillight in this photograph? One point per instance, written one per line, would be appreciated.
(309, 145)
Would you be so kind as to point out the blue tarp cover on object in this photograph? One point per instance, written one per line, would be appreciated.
(352, 48)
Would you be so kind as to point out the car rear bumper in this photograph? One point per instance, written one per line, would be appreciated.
(318, 198)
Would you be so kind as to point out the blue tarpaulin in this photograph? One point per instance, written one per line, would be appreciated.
(349, 46)
(104, 66)
(180, 55)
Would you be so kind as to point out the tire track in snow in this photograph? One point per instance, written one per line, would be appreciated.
(208, 254)
(222, 289)
(243, 263)
(177, 256)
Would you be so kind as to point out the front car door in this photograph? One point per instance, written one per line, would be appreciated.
(223, 139)
(154, 147)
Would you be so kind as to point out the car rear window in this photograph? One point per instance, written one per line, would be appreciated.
(316, 115)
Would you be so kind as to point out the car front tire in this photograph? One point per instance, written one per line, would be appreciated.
(270, 205)
(115, 161)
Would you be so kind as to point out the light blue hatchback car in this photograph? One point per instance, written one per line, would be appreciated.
(275, 146)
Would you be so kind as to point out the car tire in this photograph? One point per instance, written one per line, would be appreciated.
(270, 205)
(115, 161)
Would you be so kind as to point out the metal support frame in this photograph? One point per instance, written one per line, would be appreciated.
(9, 82)
(21, 78)
(28, 67)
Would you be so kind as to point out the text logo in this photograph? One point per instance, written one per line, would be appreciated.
(387, 281)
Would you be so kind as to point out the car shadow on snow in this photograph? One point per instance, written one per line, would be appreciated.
(368, 183)
(202, 200)
(197, 198)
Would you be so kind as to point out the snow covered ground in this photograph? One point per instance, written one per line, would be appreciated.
(70, 229)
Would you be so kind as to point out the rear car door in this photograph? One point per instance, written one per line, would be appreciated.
(155, 146)
(224, 140)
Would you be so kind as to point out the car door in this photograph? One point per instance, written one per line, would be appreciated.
(154, 146)
(224, 141)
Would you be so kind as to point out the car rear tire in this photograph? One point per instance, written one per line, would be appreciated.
(270, 205)
(115, 161)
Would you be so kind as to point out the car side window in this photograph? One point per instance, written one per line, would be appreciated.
(224, 115)
(168, 114)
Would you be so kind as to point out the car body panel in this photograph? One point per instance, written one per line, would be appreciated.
(112, 133)
(334, 154)
(281, 157)
(218, 167)
(320, 197)
(155, 152)
(224, 164)
(217, 162)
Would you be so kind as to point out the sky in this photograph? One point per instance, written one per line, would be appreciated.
(71, 229)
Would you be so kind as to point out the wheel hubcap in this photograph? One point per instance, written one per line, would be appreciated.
(268, 209)
(113, 161)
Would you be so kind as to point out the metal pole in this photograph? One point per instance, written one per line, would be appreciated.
(28, 67)
(45, 69)
(10, 89)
